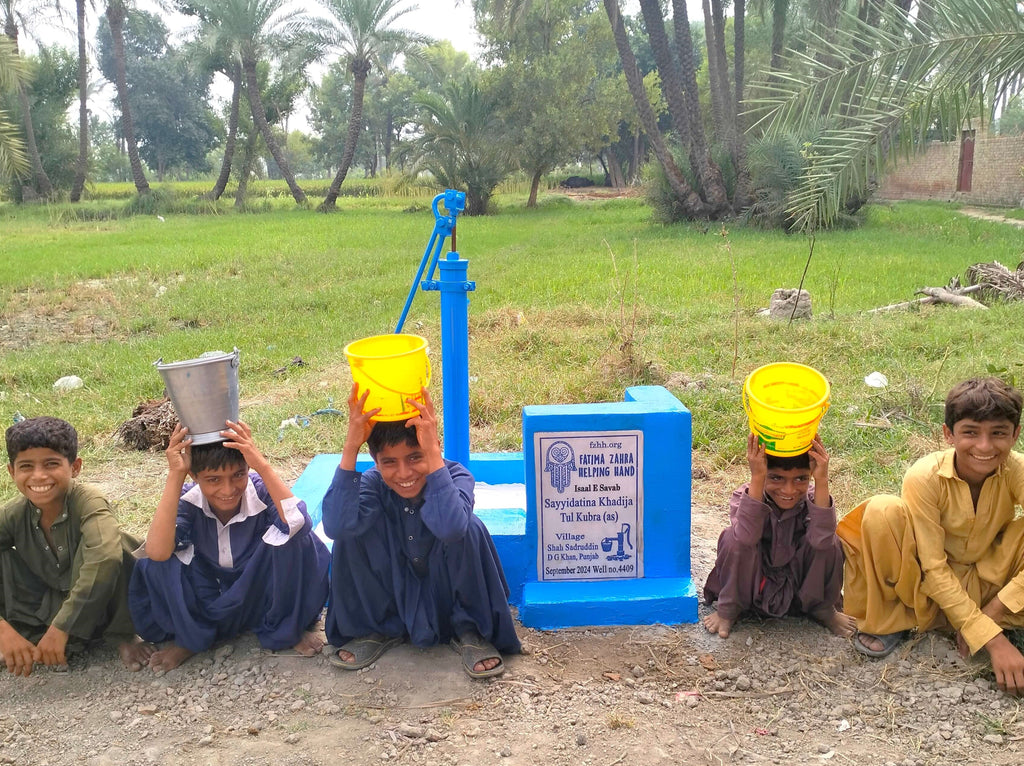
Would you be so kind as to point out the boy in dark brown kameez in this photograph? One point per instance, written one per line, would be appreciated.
(64, 562)
(780, 554)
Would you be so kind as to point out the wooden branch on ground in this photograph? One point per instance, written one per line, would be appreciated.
(942, 295)
(937, 295)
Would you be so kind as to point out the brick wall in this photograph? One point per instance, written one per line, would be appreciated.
(997, 178)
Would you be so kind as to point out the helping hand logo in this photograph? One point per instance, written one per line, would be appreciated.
(560, 463)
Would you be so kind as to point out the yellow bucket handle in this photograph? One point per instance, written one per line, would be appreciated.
(362, 373)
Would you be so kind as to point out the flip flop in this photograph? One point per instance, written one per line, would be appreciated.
(366, 651)
(889, 643)
(474, 648)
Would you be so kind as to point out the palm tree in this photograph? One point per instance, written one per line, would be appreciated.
(691, 202)
(461, 143)
(42, 186)
(83, 106)
(918, 72)
(364, 31)
(254, 31)
(12, 150)
(116, 13)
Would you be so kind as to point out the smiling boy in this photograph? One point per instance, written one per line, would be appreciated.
(780, 554)
(410, 559)
(64, 562)
(949, 552)
(233, 552)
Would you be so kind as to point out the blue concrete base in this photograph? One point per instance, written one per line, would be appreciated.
(666, 600)
(666, 594)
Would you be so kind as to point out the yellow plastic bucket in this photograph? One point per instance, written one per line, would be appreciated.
(393, 368)
(785, 402)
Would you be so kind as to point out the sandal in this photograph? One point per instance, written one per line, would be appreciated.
(474, 648)
(365, 651)
(889, 643)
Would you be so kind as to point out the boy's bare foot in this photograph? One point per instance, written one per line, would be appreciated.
(309, 644)
(135, 654)
(842, 625)
(163, 660)
(716, 623)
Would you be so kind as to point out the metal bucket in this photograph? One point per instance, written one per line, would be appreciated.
(204, 393)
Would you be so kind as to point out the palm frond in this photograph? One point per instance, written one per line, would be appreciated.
(881, 90)
(13, 70)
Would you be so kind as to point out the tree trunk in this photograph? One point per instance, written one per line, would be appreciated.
(476, 201)
(613, 169)
(826, 22)
(115, 17)
(780, 12)
(41, 182)
(360, 70)
(711, 182)
(259, 118)
(668, 70)
(714, 86)
(634, 171)
(691, 202)
(248, 158)
(538, 173)
(722, 65)
(229, 145)
(741, 197)
(82, 165)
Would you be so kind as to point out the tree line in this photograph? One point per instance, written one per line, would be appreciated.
(784, 111)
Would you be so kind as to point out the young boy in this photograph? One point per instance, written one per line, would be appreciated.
(948, 553)
(64, 562)
(780, 554)
(410, 558)
(233, 552)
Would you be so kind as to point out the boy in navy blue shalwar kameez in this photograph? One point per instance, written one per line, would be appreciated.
(410, 558)
(233, 552)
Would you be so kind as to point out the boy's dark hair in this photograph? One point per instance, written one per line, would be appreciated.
(43, 431)
(388, 433)
(210, 457)
(788, 462)
(983, 399)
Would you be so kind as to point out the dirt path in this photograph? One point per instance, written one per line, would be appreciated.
(986, 216)
(781, 691)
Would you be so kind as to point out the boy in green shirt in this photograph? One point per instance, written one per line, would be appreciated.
(64, 562)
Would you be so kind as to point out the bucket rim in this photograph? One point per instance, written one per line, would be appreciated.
(160, 364)
(821, 402)
(423, 345)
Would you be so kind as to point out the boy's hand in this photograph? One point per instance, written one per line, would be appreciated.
(426, 430)
(1007, 664)
(819, 470)
(819, 461)
(239, 436)
(18, 652)
(179, 451)
(51, 647)
(757, 459)
(360, 422)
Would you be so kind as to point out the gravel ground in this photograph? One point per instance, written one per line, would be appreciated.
(778, 691)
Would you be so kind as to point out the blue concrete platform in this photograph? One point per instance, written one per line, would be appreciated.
(659, 588)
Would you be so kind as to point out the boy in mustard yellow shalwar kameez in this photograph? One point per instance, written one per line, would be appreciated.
(948, 553)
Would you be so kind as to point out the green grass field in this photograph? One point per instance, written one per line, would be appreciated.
(575, 301)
